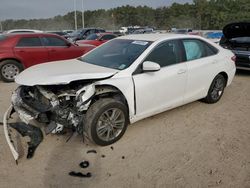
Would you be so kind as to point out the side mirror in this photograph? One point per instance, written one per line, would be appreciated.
(149, 66)
(69, 44)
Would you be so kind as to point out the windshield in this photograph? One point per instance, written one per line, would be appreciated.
(117, 54)
(92, 37)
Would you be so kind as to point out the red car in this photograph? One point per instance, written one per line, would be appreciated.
(20, 51)
(96, 39)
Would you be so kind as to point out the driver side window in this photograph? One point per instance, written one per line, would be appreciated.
(166, 53)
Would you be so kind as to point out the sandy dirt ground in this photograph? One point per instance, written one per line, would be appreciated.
(196, 145)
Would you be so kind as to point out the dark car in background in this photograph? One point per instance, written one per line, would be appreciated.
(236, 37)
(60, 33)
(20, 51)
(96, 39)
(81, 34)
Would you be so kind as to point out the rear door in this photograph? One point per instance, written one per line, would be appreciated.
(31, 51)
(203, 65)
(60, 49)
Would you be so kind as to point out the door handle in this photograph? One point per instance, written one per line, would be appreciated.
(182, 71)
(52, 50)
(20, 51)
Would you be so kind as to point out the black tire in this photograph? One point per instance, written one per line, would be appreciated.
(9, 69)
(216, 90)
(95, 112)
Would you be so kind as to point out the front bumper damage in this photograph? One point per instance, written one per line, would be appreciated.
(34, 133)
(7, 134)
(64, 109)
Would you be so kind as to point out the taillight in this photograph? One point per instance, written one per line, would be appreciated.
(233, 58)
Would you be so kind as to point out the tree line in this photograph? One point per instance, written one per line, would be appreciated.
(201, 14)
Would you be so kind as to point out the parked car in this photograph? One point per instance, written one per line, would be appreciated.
(237, 38)
(81, 34)
(96, 39)
(120, 82)
(61, 33)
(68, 31)
(144, 31)
(181, 31)
(23, 31)
(20, 51)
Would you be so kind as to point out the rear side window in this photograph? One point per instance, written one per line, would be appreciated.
(54, 41)
(108, 37)
(101, 31)
(29, 42)
(167, 53)
(196, 49)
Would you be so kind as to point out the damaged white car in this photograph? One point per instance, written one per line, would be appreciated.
(118, 83)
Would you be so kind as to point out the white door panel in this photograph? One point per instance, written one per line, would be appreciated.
(200, 75)
(202, 64)
(161, 90)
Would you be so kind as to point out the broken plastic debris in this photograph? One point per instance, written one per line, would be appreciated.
(35, 134)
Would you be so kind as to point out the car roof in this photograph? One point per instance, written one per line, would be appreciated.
(155, 36)
(106, 33)
(29, 34)
(23, 30)
(87, 28)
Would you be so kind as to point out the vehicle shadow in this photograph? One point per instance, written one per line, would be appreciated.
(242, 72)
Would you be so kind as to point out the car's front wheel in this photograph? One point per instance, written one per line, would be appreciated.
(216, 89)
(9, 69)
(106, 121)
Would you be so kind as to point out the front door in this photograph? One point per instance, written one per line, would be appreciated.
(31, 51)
(164, 89)
(59, 49)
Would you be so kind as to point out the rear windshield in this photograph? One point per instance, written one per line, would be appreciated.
(2, 37)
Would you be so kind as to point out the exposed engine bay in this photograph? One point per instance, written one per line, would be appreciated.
(57, 108)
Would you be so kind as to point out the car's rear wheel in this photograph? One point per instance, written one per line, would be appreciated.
(106, 121)
(216, 89)
(9, 69)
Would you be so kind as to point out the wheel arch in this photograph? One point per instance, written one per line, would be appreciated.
(14, 59)
(225, 75)
(110, 91)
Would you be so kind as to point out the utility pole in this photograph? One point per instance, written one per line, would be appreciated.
(75, 15)
(1, 26)
(82, 15)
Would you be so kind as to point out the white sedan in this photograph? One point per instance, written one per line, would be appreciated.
(118, 83)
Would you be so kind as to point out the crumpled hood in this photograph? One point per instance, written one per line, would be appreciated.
(239, 29)
(62, 72)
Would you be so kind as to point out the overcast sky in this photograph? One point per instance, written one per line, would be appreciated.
(18, 9)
